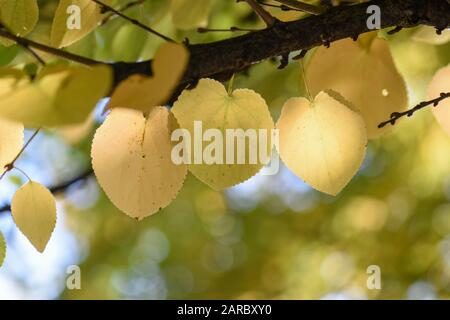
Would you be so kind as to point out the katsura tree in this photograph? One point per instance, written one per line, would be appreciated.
(59, 58)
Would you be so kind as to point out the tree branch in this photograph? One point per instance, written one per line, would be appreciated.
(131, 20)
(57, 52)
(219, 60)
(302, 6)
(409, 113)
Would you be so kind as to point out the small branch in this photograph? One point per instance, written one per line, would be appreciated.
(10, 165)
(56, 52)
(59, 188)
(305, 7)
(261, 12)
(25, 46)
(131, 20)
(397, 115)
(220, 59)
(122, 9)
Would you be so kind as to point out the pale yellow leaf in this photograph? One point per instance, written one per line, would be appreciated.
(90, 16)
(20, 16)
(75, 133)
(188, 14)
(33, 208)
(11, 141)
(366, 76)
(441, 84)
(143, 93)
(243, 109)
(427, 34)
(59, 96)
(131, 157)
(323, 142)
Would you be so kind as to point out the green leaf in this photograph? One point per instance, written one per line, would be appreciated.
(7, 54)
(20, 16)
(188, 14)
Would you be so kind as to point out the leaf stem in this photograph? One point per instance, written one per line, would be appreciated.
(305, 81)
(131, 20)
(23, 172)
(262, 13)
(10, 165)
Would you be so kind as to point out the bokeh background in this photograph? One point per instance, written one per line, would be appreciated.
(272, 237)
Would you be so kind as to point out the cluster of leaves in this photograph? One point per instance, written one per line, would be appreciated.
(352, 87)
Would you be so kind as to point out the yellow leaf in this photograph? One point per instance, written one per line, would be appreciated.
(428, 35)
(90, 16)
(365, 76)
(143, 93)
(11, 79)
(20, 16)
(131, 157)
(441, 84)
(75, 133)
(323, 142)
(11, 141)
(188, 14)
(57, 97)
(33, 208)
(2, 249)
(243, 109)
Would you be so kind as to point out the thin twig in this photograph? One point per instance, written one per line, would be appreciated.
(10, 165)
(305, 7)
(131, 20)
(25, 46)
(397, 115)
(41, 47)
(261, 12)
(122, 9)
(59, 187)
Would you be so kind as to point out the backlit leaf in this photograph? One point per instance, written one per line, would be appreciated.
(90, 16)
(427, 34)
(243, 109)
(441, 84)
(366, 76)
(323, 142)
(11, 141)
(143, 93)
(131, 157)
(59, 96)
(33, 208)
(20, 16)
